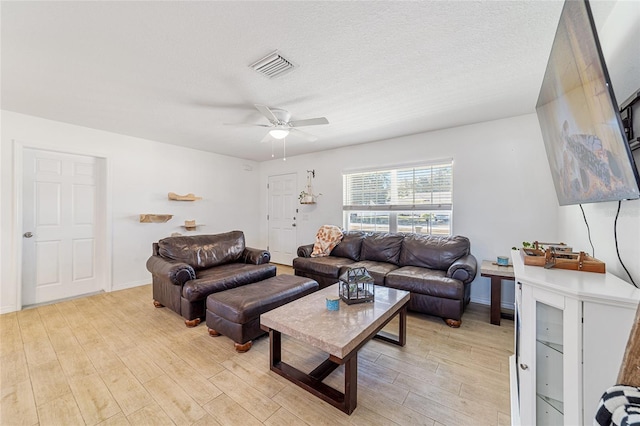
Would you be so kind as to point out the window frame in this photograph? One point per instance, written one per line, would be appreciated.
(424, 217)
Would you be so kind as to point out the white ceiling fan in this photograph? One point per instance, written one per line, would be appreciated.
(281, 124)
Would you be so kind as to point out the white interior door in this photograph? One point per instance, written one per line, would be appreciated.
(282, 218)
(59, 225)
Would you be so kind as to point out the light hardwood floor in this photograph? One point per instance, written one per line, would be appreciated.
(114, 359)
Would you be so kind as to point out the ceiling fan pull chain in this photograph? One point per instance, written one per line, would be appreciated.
(284, 149)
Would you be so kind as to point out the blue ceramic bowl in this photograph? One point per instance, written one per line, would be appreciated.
(503, 261)
(333, 304)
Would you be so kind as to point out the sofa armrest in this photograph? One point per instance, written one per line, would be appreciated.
(305, 251)
(255, 256)
(177, 273)
(464, 269)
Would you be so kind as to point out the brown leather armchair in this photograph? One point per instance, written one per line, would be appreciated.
(187, 269)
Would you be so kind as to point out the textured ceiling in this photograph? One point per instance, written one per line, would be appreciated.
(174, 72)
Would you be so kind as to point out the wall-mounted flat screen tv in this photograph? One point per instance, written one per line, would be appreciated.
(586, 146)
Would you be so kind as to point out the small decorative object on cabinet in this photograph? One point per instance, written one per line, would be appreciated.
(571, 331)
(307, 196)
(188, 197)
(155, 218)
(558, 255)
(356, 286)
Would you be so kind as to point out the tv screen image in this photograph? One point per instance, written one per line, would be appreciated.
(588, 153)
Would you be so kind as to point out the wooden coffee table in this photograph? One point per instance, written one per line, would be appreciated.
(339, 333)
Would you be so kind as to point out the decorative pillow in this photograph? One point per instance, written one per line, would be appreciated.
(327, 238)
(619, 405)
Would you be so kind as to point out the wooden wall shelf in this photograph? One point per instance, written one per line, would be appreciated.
(189, 197)
(155, 218)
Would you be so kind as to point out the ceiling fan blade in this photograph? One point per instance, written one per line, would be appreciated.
(267, 138)
(246, 125)
(303, 135)
(309, 122)
(264, 110)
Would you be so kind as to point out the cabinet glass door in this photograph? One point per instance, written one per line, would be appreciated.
(549, 365)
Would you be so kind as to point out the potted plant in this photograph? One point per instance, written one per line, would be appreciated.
(307, 197)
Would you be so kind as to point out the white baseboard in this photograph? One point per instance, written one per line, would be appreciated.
(7, 309)
(130, 284)
(485, 301)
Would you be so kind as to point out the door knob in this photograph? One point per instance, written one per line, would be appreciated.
(524, 366)
(293, 224)
(27, 235)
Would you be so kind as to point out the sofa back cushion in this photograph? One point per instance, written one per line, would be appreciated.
(204, 251)
(350, 245)
(433, 252)
(382, 247)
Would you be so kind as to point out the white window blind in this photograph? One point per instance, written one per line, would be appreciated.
(404, 199)
(416, 188)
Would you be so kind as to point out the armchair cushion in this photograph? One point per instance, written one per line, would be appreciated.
(224, 277)
(203, 251)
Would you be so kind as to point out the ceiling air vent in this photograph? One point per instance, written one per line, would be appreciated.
(273, 65)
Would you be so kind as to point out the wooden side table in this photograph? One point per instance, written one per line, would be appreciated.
(497, 273)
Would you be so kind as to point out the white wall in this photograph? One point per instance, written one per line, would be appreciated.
(619, 39)
(142, 172)
(503, 193)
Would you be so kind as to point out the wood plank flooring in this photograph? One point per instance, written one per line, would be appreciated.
(114, 359)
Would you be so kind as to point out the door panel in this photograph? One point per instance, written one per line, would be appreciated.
(59, 210)
(282, 218)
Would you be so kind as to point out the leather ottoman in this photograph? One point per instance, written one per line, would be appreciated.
(235, 313)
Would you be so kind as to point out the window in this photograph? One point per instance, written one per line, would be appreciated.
(409, 199)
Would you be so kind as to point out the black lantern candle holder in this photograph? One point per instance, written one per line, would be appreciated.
(356, 286)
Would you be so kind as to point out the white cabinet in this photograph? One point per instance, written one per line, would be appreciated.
(571, 331)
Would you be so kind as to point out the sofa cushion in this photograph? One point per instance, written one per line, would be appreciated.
(434, 252)
(377, 270)
(203, 251)
(425, 281)
(224, 277)
(382, 247)
(350, 246)
(327, 237)
(328, 266)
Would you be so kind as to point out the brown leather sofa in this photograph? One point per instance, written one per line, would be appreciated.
(438, 271)
(187, 269)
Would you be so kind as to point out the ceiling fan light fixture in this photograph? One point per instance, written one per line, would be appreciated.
(279, 133)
